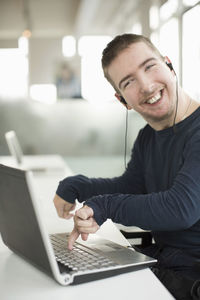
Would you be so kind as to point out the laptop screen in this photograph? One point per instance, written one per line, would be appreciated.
(14, 146)
(19, 226)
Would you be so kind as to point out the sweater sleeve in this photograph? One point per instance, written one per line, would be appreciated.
(177, 208)
(81, 187)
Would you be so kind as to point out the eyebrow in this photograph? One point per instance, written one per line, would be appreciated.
(140, 66)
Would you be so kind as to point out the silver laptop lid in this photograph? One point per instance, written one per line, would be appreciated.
(21, 223)
(14, 146)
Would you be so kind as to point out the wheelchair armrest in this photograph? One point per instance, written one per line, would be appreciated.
(145, 236)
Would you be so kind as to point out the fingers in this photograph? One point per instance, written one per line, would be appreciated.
(72, 238)
(84, 224)
(85, 212)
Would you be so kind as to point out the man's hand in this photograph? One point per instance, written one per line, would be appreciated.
(63, 207)
(84, 223)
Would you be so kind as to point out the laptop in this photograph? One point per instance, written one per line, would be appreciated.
(35, 163)
(23, 231)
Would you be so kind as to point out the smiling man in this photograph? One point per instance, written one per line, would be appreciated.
(142, 76)
(160, 189)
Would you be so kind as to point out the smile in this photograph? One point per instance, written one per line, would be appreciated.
(155, 98)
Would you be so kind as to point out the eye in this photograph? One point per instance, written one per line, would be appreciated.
(129, 81)
(149, 67)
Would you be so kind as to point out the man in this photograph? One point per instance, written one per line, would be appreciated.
(160, 189)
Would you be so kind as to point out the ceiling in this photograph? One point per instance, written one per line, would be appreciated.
(53, 18)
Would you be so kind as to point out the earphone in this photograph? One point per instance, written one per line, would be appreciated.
(169, 64)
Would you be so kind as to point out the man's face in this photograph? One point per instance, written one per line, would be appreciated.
(146, 83)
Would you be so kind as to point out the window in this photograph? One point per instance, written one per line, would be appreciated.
(169, 42)
(168, 9)
(137, 28)
(95, 87)
(190, 2)
(154, 17)
(191, 52)
(14, 71)
(69, 46)
(45, 93)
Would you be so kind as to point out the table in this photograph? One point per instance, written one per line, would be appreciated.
(19, 280)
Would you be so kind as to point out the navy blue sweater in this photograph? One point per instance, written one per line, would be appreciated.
(159, 191)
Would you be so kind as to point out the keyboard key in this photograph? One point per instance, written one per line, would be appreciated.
(80, 258)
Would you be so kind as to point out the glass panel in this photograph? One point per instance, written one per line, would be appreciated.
(190, 2)
(23, 45)
(168, 9)
(69, 46)
(169, 42)
(45, 93)
(191, 52)
(13, 73)
(154, 17)
(95, 87)
(137, 28)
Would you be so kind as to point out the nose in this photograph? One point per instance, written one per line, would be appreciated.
(146, 85)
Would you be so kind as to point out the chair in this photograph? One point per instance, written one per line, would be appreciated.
(145, 236)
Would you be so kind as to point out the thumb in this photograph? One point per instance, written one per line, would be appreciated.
(84, 236)
(72, 238)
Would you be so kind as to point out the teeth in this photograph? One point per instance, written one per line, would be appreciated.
(154, 99)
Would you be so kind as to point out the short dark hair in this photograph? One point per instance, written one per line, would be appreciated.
(120, 43)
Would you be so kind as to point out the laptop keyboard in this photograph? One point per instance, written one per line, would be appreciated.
(80, 258)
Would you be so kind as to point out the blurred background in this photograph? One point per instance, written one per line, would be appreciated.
(52, 89)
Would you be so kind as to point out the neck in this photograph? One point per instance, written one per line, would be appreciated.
(185, 107)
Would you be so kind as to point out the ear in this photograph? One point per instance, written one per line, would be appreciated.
(119, 99)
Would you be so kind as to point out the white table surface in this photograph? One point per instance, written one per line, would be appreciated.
(19, 280)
